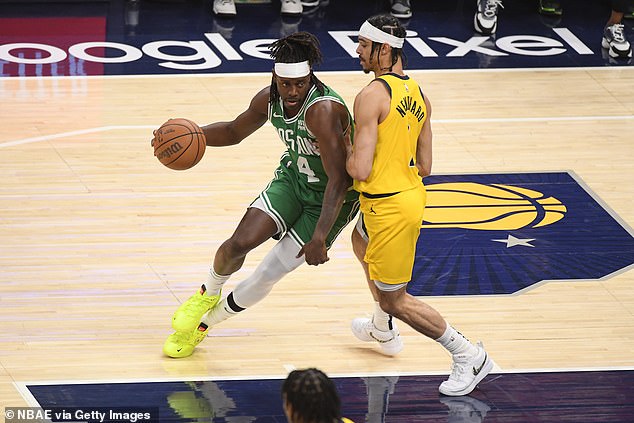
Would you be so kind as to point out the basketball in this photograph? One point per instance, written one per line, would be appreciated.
(179, 144)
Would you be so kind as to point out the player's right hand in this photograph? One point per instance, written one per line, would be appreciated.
(153, 138)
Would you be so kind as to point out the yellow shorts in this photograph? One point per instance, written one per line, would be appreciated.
(393, 225)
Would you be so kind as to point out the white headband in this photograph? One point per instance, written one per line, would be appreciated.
(373, 33)
(292, 70)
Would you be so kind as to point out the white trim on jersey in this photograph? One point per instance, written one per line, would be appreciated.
(318, 99)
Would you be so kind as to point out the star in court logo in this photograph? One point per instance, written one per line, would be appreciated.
(503, 233)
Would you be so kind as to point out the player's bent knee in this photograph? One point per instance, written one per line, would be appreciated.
(391, 297)
(238, 247)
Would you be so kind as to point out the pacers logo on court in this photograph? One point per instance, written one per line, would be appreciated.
(471, 205)
(499, 234)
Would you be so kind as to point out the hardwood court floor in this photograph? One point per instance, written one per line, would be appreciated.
(99, 243)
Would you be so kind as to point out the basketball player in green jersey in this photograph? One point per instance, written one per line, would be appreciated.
(306, 205)
(392, 151)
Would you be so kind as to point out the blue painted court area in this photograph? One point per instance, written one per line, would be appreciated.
(597, 396)
(512, 231)
(184, 37)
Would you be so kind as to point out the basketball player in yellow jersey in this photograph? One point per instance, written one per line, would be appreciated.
(392, 152)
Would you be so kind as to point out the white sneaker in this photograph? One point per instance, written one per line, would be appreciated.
(224, 7)
(485, 20)
(291, 7)
(616, 43)
(389, 341)
(466, 372)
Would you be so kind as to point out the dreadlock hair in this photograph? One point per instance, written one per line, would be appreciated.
(390, 25)
(312, 397)
(297, 47)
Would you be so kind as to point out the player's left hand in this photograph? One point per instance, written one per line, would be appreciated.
(315, 253)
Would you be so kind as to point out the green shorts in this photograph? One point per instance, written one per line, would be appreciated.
(296, 209)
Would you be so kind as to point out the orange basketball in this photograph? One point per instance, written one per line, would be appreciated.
(179, 144)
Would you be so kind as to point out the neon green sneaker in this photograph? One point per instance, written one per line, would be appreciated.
(191, 312)
(181, 344)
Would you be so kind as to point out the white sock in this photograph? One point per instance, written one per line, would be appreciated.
(455, 342)
(221, 312)
(215, 282)
(382, 321)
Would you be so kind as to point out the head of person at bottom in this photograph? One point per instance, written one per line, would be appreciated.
(310, 396)
(381, 39)
(294, 56)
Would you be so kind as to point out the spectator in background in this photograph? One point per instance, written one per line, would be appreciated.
(289, 7)
(310, 396)
(614, 39)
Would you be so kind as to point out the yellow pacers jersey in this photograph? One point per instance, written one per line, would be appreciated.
(394, 166)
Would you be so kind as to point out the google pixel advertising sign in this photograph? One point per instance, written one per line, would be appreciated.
(210, 52)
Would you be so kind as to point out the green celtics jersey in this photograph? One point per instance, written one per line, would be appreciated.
(302, 150)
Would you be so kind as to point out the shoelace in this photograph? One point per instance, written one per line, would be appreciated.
(458, 368)
(193, 307)
(617, 33)
(491, 8)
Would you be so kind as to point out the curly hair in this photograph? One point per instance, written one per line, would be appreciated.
(298, 47)
(312, 396)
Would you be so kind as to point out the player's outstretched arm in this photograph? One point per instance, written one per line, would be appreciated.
(230, 133)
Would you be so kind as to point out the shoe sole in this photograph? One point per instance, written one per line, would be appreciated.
(394, 351)
(401, 15)
(177, 355)
(486, 369)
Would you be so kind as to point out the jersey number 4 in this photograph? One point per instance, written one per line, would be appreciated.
(302, 165)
